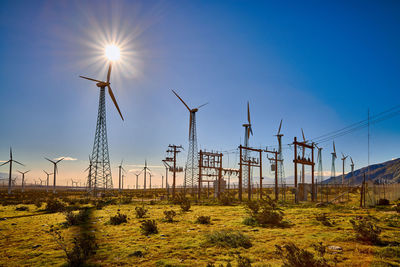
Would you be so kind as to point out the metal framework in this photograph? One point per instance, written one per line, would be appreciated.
(100, 175)
(303, 161)
(210, 161)
(276, 161)
(248, 162)
(173, 150)
(192, 162)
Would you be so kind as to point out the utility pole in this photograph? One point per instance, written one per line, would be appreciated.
(275, 159)
(173, 150)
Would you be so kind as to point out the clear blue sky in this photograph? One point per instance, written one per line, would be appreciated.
(318, 65)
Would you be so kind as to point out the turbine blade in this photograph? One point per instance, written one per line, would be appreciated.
(302, 132)
(50, 160)
(10, 153)
(5, 163)
(18, 162)
(251, 130)
(190, 124)
(110, 92)
(248, 112)
(181, 100)
(109, 73)
(90, 79)
(279, 130)
(334, 148)
(351, 160)
(59, 160)
(202, 105)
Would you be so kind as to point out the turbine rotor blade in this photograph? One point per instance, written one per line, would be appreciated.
(50, 160)
(279, 130)
(90, 79)
(109, 73)
(190, 124)
(5, 163)
(18, 162)
(110, 92)
(181, 100)
(302, 132)
(59, 160)
(202, 105)
(248, 112)
(10, 153)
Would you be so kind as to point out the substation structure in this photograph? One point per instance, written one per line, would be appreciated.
(302, 190)
(170, 161)
(249, 162)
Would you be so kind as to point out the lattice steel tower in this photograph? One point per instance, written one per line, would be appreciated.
(280, 169)
(246, 170)
(333, 169)
(192, 164)
(100, 170)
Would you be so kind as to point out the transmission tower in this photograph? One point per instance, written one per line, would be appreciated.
(320, 171)
(333, 169)
(280, 168)
(246, 170)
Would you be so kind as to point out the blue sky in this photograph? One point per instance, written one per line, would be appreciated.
(318, 65)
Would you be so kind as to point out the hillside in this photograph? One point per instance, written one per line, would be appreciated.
(389, 170)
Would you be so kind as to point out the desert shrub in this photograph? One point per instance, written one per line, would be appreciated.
(397, 207)
(203, 220)
(126, 200)
(323, 218)
(242, 261)
(295, 256)
(152, 202)
(366, 229)
(149, 227)
(54, 205)
(390, 253)
(182, 201)
(76, 219)
(118, 219)
(383, 202)
(140, 212)
(22, 208)
(228, 238)
(137, 253)
(84, 201)
(250, 221)
(265, 212)
(226, 199)
(393, 220)
(169, 215)
(38, 203)
(320, 248)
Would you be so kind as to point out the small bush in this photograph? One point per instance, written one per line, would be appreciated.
(397, 208)
(265, 212)
(137, 253)
(203, 220)
(294, 256)
(126, 200)
(76, 219)
(323, 218)
(182, 201)
(22, 208)
(243, 261)
(38, 203)
(226, 199)
(149, 227)
(366, 229)
(118, 219)
(169, 215)
(383, 202)
(140, 212)
(250, 221)
(228, 238)
(54, 205)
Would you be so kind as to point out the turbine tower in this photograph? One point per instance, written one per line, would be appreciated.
(247, 131)
(333, 169)
(352, 168)
(343, 160)
(47, 184)
(10, 161)
(89, 179)
(100, 176)
(54, 172)
(121, 182)
(23, 179)
(280, 169)
(319, 169)
(192, 163)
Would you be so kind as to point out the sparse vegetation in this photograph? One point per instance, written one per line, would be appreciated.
(76, 219)
(118, 219)
(264, 213)
(298, 257)
(323, 218)
(22, 208)
(366, 229)
(228, 238)
(169, 215)
(140, 212)
(149, 227)
(203, 220)
(383, 202)
(54, 205)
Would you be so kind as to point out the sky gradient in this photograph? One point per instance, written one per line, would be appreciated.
(318, 65)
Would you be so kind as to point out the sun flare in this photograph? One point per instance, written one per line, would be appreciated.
(112, 52)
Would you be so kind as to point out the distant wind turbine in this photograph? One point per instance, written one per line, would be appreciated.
(10, 161)
(54, 172)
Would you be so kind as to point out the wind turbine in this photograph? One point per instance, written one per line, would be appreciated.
(10, 161)
(47, 183)
(352, 167)
(121, 169)
(333, 169)
(41, 182)
(54, 172)
(247, 131)
(100, 156)
(192, 163)
(145, 170)
(89, 181)
(23, 179)
(344, 160)
(137, 179)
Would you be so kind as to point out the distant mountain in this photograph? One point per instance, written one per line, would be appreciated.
(389, 170)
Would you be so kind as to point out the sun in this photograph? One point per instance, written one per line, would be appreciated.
(112, 52)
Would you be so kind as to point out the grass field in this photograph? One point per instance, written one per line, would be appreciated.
(25, 240)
